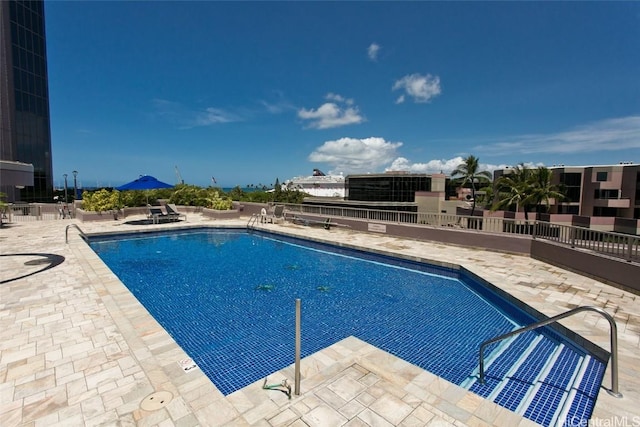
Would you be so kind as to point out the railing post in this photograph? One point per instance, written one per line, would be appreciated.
(296, 389)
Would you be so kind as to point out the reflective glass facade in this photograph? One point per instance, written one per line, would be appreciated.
(386, 187)
(24, 105)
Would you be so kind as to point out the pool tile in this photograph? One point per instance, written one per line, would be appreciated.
(322, 416)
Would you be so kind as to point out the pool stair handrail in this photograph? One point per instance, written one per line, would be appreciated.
(66, 232)
(613, 336)
(253, 220)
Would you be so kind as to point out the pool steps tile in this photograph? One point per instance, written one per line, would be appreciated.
(540, 381)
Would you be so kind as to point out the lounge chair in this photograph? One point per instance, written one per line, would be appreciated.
(156, 214)
(277, 216)
(172, 212)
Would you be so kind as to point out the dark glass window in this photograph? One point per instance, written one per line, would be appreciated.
(573, 210)
(571, 178)
(605, 194)
(572, 182)
(601, 176)
(605, 211)
(391, 188)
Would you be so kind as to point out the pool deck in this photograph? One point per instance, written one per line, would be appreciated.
(76, 348)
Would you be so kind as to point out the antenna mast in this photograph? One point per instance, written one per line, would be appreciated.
(179, 177)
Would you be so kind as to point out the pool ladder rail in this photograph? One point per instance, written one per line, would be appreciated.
(253, 220)
(66, 232)
(613, 337)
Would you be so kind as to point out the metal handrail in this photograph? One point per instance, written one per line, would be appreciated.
(66, 232)
(252, 220)
(613, 335)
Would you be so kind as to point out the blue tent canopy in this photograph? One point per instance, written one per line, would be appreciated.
(145, 182)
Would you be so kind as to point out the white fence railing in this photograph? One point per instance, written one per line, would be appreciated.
(24, 212)
(617, 245)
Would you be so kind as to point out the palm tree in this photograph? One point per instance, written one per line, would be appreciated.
(513, 189)
(469, 173)
(542, 190)
(525, 187)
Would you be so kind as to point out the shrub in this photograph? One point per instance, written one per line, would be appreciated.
(101, 200)
(219, 203)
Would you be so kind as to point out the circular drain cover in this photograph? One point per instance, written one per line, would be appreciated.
(156, 400)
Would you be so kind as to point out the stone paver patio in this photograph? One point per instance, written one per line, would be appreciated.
(76, 348)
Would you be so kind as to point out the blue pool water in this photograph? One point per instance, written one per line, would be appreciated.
(227, 298)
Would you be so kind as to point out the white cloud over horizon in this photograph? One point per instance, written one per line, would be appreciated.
(621, 133)
(421, 88)
(356, 155)
(445, 166)
(340, 112)
(372, 51)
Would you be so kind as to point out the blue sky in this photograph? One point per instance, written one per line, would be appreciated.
(249, 92)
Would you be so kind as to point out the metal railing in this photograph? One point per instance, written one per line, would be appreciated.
(66, 232)
(23, 212)
(253, 220)
(618, 245)
(613, 335)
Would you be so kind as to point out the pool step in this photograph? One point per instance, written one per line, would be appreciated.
(542, 380)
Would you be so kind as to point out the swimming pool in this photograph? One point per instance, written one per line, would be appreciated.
(227, 298)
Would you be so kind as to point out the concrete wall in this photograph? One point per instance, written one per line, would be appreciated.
(449, 235)
(617, 272)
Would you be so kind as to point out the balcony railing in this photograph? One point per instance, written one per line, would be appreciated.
(618, 245)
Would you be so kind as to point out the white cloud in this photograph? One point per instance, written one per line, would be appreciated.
(372, 51)
(338, 98)
(280, 105)
(445, 166)
(331, 115)
(354, 155)
(604, 135)
(186, 118)
(420, 88)
(212, 116)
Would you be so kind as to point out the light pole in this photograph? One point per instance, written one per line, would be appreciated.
(75, 185)
(65, 188)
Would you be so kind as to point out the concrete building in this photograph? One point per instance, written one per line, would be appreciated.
(401, 192)
(596, 191)
(25, 134)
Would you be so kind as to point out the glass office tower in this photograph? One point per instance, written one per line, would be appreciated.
(25, 134)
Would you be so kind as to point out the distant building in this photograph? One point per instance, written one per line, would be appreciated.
(25, 134)
(397, 191)
(318, 184)
(596, 191)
